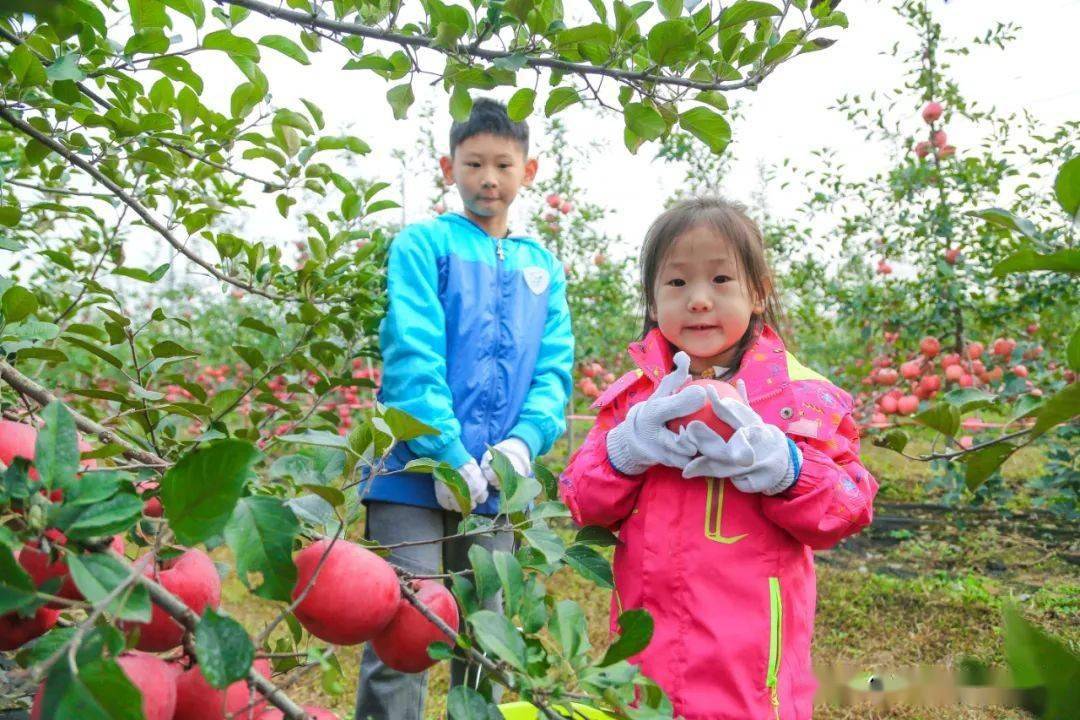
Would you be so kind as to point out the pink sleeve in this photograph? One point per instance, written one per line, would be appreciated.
(834, 495)
(595, 492)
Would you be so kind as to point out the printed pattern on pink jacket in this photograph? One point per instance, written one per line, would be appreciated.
(727, 576)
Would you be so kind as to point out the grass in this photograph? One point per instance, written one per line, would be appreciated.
(887, 599)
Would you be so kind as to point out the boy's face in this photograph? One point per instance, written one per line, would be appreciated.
(489, 171)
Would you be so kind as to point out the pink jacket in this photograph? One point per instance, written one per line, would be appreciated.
(727, 576)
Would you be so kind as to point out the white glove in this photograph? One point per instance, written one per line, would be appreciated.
(478, 491)
(758, 457)
(516, 451)
(643, 439)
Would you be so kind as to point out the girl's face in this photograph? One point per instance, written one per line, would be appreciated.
(703, 304)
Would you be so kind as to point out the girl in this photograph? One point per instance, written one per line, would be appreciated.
(715, 537)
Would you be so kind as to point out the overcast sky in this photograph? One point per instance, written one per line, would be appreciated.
(787, 118)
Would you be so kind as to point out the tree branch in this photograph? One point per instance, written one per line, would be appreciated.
(27, 129)
(414, 41)
(43, 397)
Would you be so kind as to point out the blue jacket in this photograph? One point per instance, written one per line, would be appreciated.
(476, 342)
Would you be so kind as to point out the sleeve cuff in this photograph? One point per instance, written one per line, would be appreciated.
(796, 459)
(530, 435)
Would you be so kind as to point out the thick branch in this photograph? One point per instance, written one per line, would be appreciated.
(135, 205)
(43, 397)
(415, 41)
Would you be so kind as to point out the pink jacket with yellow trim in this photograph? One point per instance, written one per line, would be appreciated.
(727, 576)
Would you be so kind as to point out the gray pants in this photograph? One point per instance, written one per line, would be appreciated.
(385, 693)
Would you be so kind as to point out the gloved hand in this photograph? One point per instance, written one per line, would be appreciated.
(516, 451)
(643, 439)
(758, 457)
(478, 491)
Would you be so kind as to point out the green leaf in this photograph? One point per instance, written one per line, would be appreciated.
(95, 350)
(968, 399)
(65, 68)
(1067, 186)
(115, 515)
(560, 99)
(1007, 220)
(635, 632)
(223, 649)
(547, 542)
(169, 349)
(497, 636)
(672, 41)
(234, 45)
(521, 104)
(460, 104)
(644, 121)
(98, 575)
(56, 450)
(485, 577)
(286, 47)
(981, 464)
(1027, 260)
(1040, 661)
(943, 417)
(740, 13)
(895, 440)
(670, 8)
(27, 69)
(596, 535)
(404, 426)
(569, 627)
(258, 326)
(200, 492)
(464, 703)
(16, 587)
(260, 534)
(101, 691)
(17, 303)
(708, 126)
(512, 579)
(549, 482)
(1062, 406)
(452, 479)
(590, 564)
(401, 99)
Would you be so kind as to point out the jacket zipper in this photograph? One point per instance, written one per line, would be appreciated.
(499, 257)
(776, 622)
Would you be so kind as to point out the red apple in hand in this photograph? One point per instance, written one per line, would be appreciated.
(404, 642)
(706, 414)
(353, 597)
(152, 677)
(196, 699)
(193, 578)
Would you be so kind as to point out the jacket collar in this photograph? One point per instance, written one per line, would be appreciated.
(463, 221)
(654, 355)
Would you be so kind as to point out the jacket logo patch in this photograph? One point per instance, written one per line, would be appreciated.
(804, 427)
(537, 278)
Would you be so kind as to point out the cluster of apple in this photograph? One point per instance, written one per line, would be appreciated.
(595, 379)
(923, 374)
(373, 609)
(938, 144)
(558, 204)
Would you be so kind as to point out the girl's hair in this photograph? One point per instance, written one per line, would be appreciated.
(731, 221)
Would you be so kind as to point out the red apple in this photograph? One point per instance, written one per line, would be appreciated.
(953, 373)
(152, 677)
(930, 383)
(193, 578)
(353, 597)
(975, 350)
(922, 149)
(952, 255)
(907, 405)
(931, 112)
(930, 346)
(705, 414)
(965, 441)
(589, 369)
(884, 268)
(888, 404)
(42, 568)
(887, 376)
(16, 631)
(911, 369)
(966, 380)
(1020, 371)
(554, 200)
(404, 642)
(196, 699)
(939, 138)
(566, 207)
(1033, 328)
(950, 360)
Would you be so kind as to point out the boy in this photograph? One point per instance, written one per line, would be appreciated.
(476, 342)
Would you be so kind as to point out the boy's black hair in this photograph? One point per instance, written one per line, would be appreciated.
(488, 117)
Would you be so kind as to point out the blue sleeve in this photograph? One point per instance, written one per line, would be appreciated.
(413, 341)
(543, 416)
